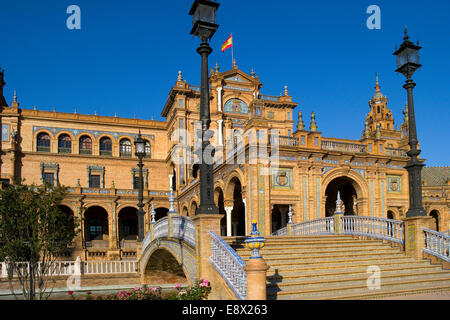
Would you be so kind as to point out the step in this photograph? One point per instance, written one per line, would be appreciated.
(320, 260)
(362, 292)
(308, 265)
(287, 274)
(324, 254)
(322, 247)
(346, 280)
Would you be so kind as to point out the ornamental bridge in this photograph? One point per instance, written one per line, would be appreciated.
(327, 258)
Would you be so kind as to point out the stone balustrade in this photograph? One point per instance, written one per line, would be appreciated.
(343, 146)
(437, 244)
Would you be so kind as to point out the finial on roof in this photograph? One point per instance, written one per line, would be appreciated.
(378, 132)
(15, 96)
(217, 67)
(180, 76)
(252, 73)
(313, 125)
(234, 64)
(286, 91)
(95, 113)
(54, 109)
(34, 108)
(366, 129)
(300, 124)
(377, 84)
(406, 38)
(75, 111)
(152, 117)
(134, 117)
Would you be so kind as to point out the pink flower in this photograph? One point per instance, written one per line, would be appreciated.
(178, 285)
(137, 288)
(70, 293)
(203, 284)
(154, 289)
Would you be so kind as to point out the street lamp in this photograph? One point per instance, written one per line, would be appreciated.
(407, 64)
(139, 144)
(204, 26)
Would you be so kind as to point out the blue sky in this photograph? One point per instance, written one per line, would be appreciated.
(127, 54)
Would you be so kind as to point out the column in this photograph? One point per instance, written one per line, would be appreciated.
(245, 214)
(228, 218)
(219, 99)
(219, 132)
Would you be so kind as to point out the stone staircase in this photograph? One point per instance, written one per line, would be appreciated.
(335, 267)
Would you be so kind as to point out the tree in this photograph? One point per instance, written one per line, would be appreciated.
(33, 231)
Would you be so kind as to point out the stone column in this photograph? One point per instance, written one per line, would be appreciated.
(204, 223)
(220, 132)
(219, 99)
(228, 217)
(256, 267)
(245, 214)
(414, 235)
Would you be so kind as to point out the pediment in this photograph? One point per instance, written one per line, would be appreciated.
(237, 78)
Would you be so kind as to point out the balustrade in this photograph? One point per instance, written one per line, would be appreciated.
(437, 244)
(343, 146)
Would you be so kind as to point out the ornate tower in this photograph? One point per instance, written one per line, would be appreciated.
(379, 116)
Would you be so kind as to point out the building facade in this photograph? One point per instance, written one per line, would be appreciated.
(266, 167)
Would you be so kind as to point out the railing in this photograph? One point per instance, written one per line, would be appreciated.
(43, 148)
(380, 228)
(182, 228)
(343, 146)
(395, 152)
(110, 267)
(314, 227)
(97, 244)
(229, 265)
(64, 150)
(437, 244)
(128, 244)
(67, 268)
(284, 140)
(269, 98)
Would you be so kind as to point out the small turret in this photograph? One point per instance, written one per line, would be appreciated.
(300, 124)
(313, 125)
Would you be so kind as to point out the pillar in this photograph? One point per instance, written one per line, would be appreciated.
(220, 132)
(256, 267)
(228, 218)
(204, 223)
(414, 235)
(219, 99)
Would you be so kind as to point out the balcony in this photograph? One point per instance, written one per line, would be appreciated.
(85, 151)
(343, 146)
(396, 152)
(285, 141)
(43, 148)
(64, 150)
(106, 152)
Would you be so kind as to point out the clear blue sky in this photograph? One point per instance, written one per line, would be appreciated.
(126, 56)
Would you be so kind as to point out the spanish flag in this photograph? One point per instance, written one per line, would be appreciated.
(228, 43)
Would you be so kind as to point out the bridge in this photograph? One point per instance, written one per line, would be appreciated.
(326, 258)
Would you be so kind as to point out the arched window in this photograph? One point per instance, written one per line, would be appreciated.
(85, 145)
(125, 148)
(105, 146)
(64, 144)
(95, 228)
(147, 149)
(43, 142)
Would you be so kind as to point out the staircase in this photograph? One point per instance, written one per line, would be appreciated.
(335, 267)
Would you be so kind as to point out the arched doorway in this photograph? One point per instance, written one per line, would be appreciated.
(390, 215)
(128, 224)
(96, 231)
(160, 213)
(219, 200)
(347, 189)
(279, 217)
(238, 213)
(162, 267)
(435, 215)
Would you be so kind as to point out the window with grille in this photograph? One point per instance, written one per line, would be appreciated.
(94, 181)
(49, 177)
(43, 142)
(85, 145)
(64, 144)
(125, 148)
(105, 147)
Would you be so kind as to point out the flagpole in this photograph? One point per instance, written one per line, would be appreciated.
(232, 56)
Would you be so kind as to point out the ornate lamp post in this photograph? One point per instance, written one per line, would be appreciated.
(204, 26)
(139, 144)
(407, 64)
